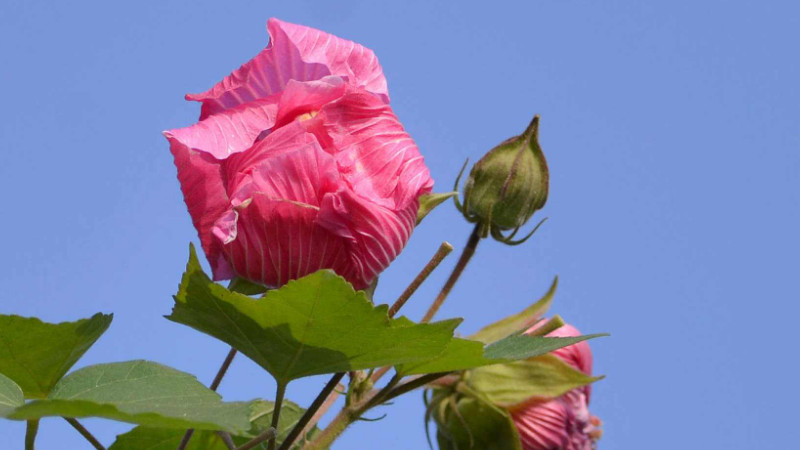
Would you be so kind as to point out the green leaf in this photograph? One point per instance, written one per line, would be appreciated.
(474, 424)
(153, 438)
(37, 354)
(428, 202)
(518, 322)
(10, 395)
(315, 325)
(261, 418)
(545, 377)
(463, 354)
(140, 392)
(246, 287)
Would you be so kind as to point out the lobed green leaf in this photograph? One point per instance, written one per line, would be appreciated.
(140, 392)
(315, 325)
(37, 354)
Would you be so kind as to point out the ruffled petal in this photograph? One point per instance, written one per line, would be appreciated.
(342, 57)
(296, 53)
(232, 131)
(375, 235)
(205, 197)
(376, 156)
(276, 203)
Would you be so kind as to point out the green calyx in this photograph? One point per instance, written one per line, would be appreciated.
(507, 186)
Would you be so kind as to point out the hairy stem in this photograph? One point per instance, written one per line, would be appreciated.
(466, 255)
(350, 414)
(85, 433)
(337, 426)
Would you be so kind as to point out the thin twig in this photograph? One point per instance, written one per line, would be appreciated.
(310, 412)
(214, 385)
(227, 440)
(437, 259)
(414, 384)
(270, 433)
(85, 433)
(466, 254)
(223, 369)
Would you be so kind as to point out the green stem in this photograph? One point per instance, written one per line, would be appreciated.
(466, 255)
(30, 433)
(276, 412)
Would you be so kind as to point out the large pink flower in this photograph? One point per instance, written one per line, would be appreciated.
(298, 164)
(563, 423)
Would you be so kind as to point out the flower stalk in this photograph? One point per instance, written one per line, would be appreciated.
(463, 260)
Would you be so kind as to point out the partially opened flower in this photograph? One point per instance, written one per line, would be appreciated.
(564, 422)
(298, 163)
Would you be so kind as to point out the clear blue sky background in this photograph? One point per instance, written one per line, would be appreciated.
(671, 129)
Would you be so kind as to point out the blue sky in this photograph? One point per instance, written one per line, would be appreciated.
(671, 130)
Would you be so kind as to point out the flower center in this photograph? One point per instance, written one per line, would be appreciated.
(306, 116)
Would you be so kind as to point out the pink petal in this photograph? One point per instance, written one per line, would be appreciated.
(376, 157)
(374, 234)
(205, 197)
(295, 53)
(544, 426)
(343, 58)
(560, 424)
(231, 131)
(276, 237)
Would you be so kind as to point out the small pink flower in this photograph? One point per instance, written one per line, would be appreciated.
(563, 423)
(298, 163)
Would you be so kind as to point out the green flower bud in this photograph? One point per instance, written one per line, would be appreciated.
(465, 420)
(507, 186)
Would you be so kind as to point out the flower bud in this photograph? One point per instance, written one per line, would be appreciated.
(507, 186)
(469, 414)
(563, 422)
